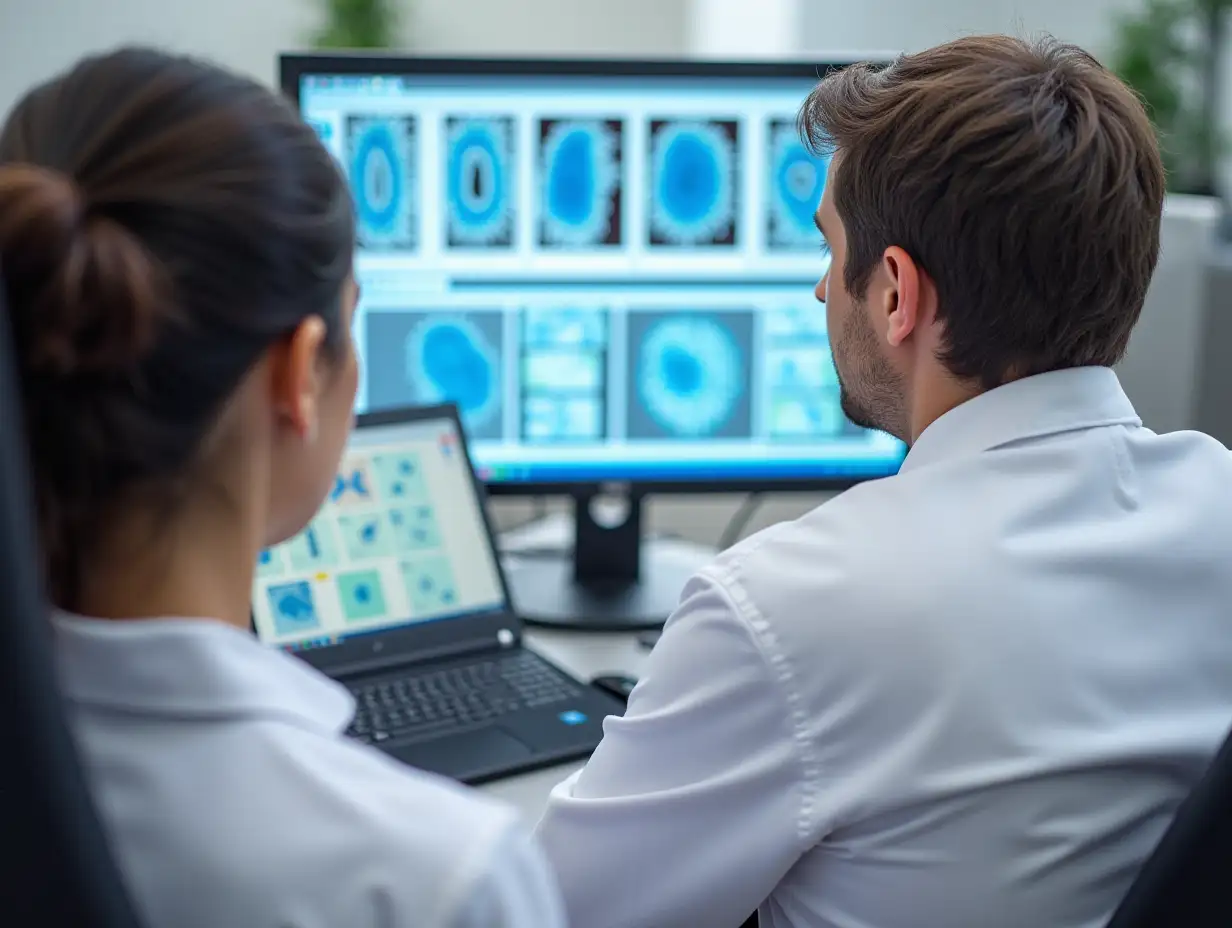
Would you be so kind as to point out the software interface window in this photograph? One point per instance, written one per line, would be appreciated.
(400, 539)
(612, 276)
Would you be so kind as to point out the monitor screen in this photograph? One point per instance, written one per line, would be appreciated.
(401, 539)
(611, 273)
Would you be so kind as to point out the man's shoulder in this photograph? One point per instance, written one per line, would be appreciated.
(838, 545)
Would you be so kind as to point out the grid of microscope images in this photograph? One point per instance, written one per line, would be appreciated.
(585, 374)
(692, 171)
(637, 370)
(374, 549)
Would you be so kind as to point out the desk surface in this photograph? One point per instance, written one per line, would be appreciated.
(585, 655)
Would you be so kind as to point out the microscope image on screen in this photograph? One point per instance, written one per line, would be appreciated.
(795, 182)
(481, 182)
(293, 607)
(690, 374)
(580, 183)
(383, 172)
(564, 374)
(362, 595)
(430, 585)
(694, 194)
(425, 357)
(802, 389)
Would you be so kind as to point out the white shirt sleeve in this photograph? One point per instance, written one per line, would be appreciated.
(690, 811)
(515, 890)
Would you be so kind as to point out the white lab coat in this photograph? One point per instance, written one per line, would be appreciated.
(233, 799)
(970, 695)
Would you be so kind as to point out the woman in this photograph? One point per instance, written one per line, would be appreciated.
(176, 248)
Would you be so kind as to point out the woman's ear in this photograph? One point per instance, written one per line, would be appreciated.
(297, 377)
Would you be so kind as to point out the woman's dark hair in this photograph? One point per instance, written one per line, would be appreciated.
(162, 223)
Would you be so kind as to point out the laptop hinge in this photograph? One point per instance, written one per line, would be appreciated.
(501, 642)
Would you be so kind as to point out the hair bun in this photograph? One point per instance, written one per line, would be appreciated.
(85, 295)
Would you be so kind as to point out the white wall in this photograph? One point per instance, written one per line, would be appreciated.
(40, 37)
(910, 25)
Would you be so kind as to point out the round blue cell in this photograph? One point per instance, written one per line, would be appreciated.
(690, 374)
(377, 182)
(451, 360)
(689, 184)
(476, 178)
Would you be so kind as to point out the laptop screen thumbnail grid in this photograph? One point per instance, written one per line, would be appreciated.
(400, 540)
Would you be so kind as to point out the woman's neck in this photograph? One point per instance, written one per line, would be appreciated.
(194, 563)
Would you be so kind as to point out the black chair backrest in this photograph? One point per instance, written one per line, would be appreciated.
(58, 868)
(1187, 882)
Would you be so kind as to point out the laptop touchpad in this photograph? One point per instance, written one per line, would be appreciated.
(473, 754)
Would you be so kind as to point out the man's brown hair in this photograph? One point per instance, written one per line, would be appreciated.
(1023, 177)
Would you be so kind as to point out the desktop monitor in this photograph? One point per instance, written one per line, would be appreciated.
(609, 267)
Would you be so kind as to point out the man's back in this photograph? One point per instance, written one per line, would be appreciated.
(999, 672)
(1035, 661)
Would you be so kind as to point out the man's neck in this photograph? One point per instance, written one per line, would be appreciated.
(935, 393)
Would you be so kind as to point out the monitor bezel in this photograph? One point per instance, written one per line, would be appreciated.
(294, 66)
(424, 640)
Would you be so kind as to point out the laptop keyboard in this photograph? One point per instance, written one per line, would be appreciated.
(437, 702)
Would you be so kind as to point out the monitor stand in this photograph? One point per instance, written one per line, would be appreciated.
(614, 580)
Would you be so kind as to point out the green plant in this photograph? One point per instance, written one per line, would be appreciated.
(1170, 52)
(358, 24)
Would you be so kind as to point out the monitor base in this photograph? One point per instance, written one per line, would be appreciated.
(546, 593)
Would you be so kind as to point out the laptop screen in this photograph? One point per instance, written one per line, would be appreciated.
(400, 540)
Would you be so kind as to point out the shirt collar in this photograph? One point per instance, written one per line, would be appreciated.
(191, 668)
(1046, 404)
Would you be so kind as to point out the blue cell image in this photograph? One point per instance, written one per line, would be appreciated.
(414, 528)
(383, 171)
(694, 190)
(365, 535)
(481, 182)
(362, 595)
(580, 183)
(270, 562)
(426, 357)
(400, 477)
(430, 585)
(690, 376)
(352, 485)
(796, 180)
(293, 608)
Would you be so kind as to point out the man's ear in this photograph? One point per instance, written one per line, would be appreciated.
(910, 298)
(296, 376)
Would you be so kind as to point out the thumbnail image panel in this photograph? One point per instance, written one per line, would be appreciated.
(418, 357)
(564, 374)
(689, 376)
(293, 607)
(580, 183)
(802, 394)
(694, 190)
(794, 184)
(362, 595)
(481, 182)
(383, 171)
(430, 585)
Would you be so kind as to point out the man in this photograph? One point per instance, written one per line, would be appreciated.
(974, 693)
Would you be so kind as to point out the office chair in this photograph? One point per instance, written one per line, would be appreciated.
(58, 868)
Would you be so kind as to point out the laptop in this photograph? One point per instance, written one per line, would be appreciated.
(395, 589)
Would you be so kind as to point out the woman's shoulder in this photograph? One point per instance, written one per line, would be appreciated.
(299, 822)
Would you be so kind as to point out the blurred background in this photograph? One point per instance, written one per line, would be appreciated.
(1172, 51)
